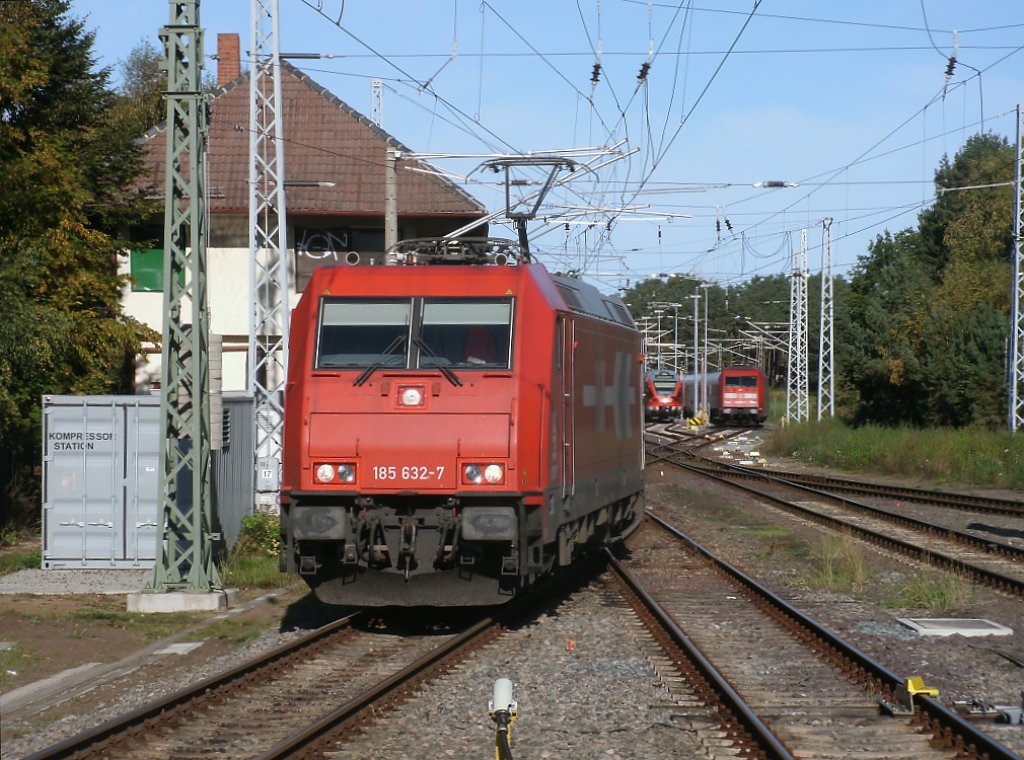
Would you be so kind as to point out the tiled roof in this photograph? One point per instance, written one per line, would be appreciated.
(325, 140)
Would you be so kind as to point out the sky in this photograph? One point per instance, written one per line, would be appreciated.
(847, 105)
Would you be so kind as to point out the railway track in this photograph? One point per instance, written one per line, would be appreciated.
(981, 558)
(692, 445)
(817, 695)
(277, 704)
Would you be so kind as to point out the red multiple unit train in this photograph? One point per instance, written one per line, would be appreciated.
(663, 395)
(458, 423)
(735, 396)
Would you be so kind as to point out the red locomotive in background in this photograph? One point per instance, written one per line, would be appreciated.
(458, 423)
(735, 396)
(663, 396)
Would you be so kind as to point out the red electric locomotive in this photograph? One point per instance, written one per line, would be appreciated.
(735, 396)
(663, 395)
(458, 423)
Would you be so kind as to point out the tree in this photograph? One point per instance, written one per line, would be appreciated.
(929, 307)
(69, 175)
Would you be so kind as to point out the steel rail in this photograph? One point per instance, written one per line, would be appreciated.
(1012, 552)
(304, 743)
(758, 734)
(943, 498)
(940, 719)
(80, 744)
(988, 577)
(295, 744)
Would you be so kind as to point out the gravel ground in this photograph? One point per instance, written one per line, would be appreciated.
(600, 698)
(595, 700)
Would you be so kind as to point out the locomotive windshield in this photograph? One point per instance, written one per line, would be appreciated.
(665, 385)
(358, 333)
(741, 381)
(416, 333)
(466, 333)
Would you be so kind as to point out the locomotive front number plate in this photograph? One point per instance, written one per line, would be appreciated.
(407, 472)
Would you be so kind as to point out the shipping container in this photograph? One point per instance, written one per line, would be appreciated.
(101, 478)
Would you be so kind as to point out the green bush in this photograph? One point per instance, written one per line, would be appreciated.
(254, 559)
(260, 536)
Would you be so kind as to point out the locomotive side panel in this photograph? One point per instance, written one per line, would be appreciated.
(607, 399)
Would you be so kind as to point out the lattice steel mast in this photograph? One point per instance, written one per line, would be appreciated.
(826, 332)
(185, 543)
(796, 369)
(268, 247)
(1016, 365)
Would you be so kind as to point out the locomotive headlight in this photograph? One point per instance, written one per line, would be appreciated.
(410, 395)
(483, 473)
(325, 473)
(347, 473)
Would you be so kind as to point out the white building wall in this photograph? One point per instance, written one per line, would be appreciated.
(229, 295)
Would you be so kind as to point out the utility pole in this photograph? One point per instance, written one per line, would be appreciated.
(184, 555)
(1017, 296)
(826, 332)
(268, 249)
(796, 369)
(704, 363)
(391, 157)
(696, 356)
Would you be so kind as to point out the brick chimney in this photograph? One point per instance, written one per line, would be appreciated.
(229, 61)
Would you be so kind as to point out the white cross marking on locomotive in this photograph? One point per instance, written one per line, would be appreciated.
(619, 396)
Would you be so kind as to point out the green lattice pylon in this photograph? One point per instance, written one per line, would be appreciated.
(184, 557)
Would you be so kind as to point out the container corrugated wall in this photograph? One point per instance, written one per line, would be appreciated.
(101, 478)
(101, 465)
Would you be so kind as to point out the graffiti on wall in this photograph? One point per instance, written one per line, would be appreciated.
(317, 247)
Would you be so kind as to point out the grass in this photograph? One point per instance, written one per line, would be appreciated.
(234, 630)
(967, 456)
(92, 618)
(19, 549)
(12, 661)
(16, 558)
(254, 571)
(934, 591)
(839, 565)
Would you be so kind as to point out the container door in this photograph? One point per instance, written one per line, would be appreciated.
(142, 484)
(83, 476)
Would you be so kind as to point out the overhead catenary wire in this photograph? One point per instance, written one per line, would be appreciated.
(653, 155)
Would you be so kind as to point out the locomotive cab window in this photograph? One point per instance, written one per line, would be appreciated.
(740, 381)
(362, 333)
(466, 333)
